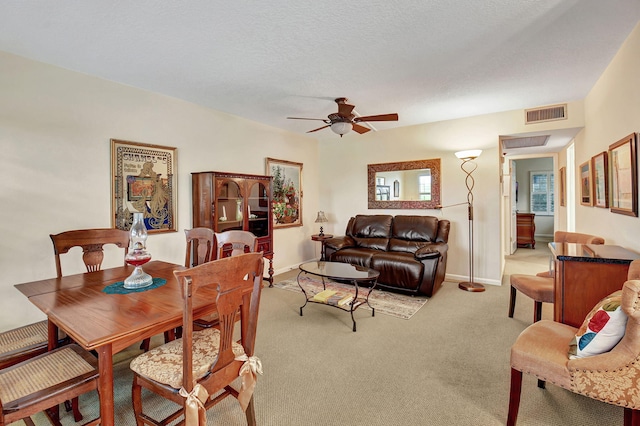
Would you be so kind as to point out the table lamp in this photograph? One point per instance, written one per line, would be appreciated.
(321, 219)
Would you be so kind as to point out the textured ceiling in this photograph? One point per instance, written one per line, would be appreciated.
(427, 60)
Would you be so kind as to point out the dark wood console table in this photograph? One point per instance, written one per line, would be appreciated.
(584, 274)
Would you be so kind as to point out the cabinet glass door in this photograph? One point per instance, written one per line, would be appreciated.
(258, 210)
(230, 207)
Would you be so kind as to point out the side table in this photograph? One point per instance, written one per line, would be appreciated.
(321, 238)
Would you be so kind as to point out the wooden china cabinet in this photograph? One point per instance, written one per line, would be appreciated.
(232, 201)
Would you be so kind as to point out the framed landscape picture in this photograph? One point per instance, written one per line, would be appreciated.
(599, 170)
(585, 183)
(143, 179)
(623, 176)
(286, 192)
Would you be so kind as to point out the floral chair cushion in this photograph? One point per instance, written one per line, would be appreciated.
(164, 363)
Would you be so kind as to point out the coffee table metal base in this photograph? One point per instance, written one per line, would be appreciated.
(340, 271)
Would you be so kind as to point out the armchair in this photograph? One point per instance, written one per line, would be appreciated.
(612, 377)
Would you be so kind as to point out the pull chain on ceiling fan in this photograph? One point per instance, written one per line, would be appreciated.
(343, 121)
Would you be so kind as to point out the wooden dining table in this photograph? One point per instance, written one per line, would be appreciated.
(109, 323)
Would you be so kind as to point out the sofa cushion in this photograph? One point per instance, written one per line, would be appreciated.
(397, 269)
(372, 231)
(410, 233)
(416, 228)
(354, 256)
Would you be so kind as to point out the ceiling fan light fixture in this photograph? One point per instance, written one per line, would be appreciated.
(341, 127)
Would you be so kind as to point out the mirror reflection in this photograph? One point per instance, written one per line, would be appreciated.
(404, 185)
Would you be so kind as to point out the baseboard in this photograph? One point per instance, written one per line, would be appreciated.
(448, 277)
(461, 278)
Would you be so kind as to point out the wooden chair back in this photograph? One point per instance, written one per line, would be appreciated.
(200, 246)
(92, 242)
(233, 243)
(238, 283)
(576, 237)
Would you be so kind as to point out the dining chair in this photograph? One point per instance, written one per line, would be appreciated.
(229, 243)
(200, 246)
(232, 243)
(45, 381)
(92, 242)
(540, 287)
(196, 371)
(611, 376)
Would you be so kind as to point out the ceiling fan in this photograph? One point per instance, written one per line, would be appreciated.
(343, 121)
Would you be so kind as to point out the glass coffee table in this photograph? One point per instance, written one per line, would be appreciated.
(347, 300)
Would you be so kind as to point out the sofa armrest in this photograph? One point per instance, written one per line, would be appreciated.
(339, 243)
(431, 251)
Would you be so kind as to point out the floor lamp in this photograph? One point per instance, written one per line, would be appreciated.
(468, 166)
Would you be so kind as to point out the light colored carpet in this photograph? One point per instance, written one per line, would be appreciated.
(384, 302)
(447, 365)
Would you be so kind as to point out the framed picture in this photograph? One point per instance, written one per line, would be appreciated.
(286, 192)
(396, 188)
(599, 168)
(623, 176)
(585, 183)
(563, 185)
(143, 180)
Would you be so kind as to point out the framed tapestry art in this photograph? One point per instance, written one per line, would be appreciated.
(143, 180)
(600, 185)
(585, 183)
(286, 192)
(623, 176)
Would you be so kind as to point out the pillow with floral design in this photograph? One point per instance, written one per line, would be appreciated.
(601, 330)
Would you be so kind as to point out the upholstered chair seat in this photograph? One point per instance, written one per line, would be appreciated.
(540, 289)
(163, 364)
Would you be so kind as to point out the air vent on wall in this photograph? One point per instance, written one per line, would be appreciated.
(524, 142)
(548, 113)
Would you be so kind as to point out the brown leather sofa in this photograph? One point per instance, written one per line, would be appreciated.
(410, 252)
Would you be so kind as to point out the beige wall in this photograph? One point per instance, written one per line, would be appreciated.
(612, 111)
(55, 130)
(55, 127)
(343, 192)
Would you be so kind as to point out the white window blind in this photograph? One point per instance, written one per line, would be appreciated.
(424, 187)
(542, 193)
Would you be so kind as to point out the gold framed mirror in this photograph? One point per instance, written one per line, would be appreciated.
(404, 185)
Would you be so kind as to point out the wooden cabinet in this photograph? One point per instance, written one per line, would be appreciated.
(233, 201)
(526, 229)
(584, 274)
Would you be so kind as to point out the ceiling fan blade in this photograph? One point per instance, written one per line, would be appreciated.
(345, 109)
(381, 117)
(319, 128)
(360, 129)
(301, 118)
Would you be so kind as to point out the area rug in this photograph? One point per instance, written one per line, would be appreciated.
(384, 302)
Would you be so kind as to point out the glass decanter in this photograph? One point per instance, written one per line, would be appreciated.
(138, 254)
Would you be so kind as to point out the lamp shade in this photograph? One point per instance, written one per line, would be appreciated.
(341, 127)
(321, 218)
(469, 154)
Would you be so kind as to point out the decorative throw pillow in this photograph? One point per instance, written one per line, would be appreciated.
(601, 330)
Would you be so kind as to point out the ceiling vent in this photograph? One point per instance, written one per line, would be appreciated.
(525, 142)
(549, 113)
